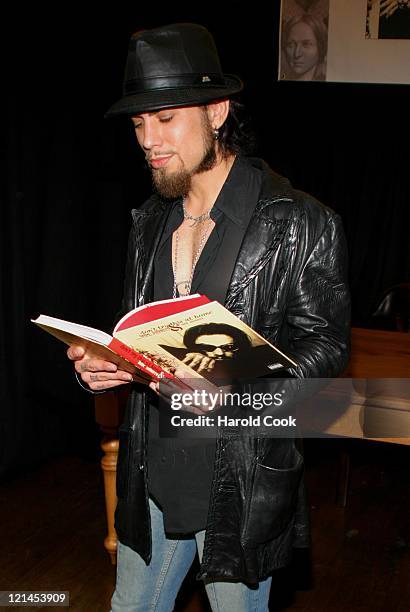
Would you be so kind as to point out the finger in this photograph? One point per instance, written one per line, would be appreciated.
(154, 386)
(90, 377)
(203, 366)
(167, 388)
(188, 358)
(75, 352)
(384, 8)
(103, 386)
(207, 365)
(95, 365)
(180, 373)
(197, 361)
(193, 359)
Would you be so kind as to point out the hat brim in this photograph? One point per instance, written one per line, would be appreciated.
(151, 100)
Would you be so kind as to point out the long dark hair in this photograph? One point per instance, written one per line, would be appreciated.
(237, 135)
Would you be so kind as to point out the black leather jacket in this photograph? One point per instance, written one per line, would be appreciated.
(289, 284)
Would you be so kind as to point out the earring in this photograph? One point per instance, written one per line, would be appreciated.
(216, 133)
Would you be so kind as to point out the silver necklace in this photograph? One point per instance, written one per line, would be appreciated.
(186, 284)
(196, 220)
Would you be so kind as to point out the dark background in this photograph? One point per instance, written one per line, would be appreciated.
(69, 180)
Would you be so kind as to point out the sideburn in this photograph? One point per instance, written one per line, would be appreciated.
(179, 184)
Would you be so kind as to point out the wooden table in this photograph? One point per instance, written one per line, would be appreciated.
(375, 384)
(379, 354)
(375, 355)
(371, 399)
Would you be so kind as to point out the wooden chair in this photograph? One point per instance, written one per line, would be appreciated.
(109, 412)
(392, 311)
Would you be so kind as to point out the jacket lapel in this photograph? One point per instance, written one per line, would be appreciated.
(266, 230)
(150, 225)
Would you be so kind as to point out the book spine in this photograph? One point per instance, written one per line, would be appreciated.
(138, 359)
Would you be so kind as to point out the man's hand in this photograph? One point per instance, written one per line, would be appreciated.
(194, 387)
(199, 362)
(97, 373)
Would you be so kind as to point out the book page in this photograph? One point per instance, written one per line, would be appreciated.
(58, 327)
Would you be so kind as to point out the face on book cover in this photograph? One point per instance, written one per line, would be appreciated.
(178, 144)
(217, 346)
(218, 341)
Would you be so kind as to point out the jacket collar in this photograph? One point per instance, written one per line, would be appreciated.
(273, 184)
(243, 181)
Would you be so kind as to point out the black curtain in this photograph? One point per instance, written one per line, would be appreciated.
(70, 179)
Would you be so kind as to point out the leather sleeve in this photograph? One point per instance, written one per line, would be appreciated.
(318, 309)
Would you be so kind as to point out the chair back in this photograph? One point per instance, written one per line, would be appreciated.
(392, 311)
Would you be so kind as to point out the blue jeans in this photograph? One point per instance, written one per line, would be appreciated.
(154, 587)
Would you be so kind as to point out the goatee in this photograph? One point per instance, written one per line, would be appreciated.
(178, 184)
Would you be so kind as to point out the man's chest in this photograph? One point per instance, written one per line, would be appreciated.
(188, 243)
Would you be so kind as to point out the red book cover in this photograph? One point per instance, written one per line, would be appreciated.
(138, 359)
(159, 310)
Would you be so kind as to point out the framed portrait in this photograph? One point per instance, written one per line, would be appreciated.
(357, 41)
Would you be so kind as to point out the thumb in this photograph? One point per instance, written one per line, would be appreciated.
(75, 352)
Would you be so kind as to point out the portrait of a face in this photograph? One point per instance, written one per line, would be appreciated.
(302, 52)
(216, 346)
(304, 48)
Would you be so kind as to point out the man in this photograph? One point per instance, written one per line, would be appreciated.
(228, 227)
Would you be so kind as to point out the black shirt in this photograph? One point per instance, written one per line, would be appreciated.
(180, 470)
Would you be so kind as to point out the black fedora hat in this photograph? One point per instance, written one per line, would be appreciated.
(170, 66)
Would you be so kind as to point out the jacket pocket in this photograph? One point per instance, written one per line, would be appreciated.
(124, 462)
(272, 502)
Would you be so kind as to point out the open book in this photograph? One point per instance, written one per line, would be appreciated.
(190, 334)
